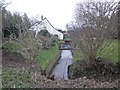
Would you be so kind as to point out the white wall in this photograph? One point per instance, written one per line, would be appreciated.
(50, 29)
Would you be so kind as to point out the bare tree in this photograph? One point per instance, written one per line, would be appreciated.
(96, 23)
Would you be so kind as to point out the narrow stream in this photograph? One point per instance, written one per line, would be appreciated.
(61, 69)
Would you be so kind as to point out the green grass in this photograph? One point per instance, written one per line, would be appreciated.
(46, 56)
(110, 52)
(12, 46)
(19, 79)
(22, 47)
(77, 56)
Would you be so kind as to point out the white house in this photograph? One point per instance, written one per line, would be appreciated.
(45, 24)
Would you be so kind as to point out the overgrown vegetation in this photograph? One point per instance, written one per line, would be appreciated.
(29, 48)
(18, 38)
(47, 55)
(113, 56)
(16, 79)
(111, 51)
(12, 46)
(95, 39)
(102, 71)
(44, 33)
(94, 26)
(94, 34)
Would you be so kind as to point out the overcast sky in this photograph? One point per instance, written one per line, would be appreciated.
(58, 12)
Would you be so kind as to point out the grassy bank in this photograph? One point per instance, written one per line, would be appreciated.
(43, 56)
(46, 56)
(13, 46)
(109, 53)
(16, 79)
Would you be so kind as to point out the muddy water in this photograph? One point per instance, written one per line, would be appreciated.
(61, 69)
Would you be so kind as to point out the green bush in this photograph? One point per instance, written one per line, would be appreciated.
(44, 33)
(12, 46)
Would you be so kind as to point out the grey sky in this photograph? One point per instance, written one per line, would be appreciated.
(58, 12)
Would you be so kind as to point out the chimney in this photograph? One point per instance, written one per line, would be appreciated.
(41, 17)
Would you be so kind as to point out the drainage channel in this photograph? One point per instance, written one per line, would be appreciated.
(60, 71)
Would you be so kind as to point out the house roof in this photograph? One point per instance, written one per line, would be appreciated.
(48, 22)
(37, 23)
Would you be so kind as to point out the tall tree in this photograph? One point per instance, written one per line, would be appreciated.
(95, 24)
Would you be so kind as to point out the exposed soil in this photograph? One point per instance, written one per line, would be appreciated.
(17, 61)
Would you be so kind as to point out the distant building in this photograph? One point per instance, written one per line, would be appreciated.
(45, 24)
